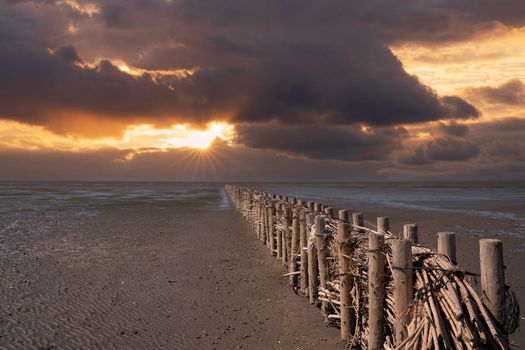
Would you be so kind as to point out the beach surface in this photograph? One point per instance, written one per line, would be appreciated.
(174, 266)
(147, 274)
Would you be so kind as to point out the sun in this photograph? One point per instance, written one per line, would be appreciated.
(199, 139)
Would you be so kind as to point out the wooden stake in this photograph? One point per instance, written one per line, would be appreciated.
(294, 248)
(383, 225)
(345, 298)
(272, 231)
(403, 285)
(322, 252)
(313, 268)
(493, 277)
(410, 232)
(303, 243)
(446, 245)
(279, 233)
(376, 289)
(329, 211)
(286, 236)
(264, 219)
(358, 220)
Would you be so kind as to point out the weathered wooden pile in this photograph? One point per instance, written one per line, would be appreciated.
(384, 290)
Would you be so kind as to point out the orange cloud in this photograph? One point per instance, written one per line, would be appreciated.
(483, 60)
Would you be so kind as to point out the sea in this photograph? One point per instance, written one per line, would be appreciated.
(503, 201)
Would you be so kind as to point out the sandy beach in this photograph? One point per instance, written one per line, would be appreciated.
(175, 272)
(147, 275)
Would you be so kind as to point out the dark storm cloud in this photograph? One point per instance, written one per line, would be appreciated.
(441, 149)
(501, 140)
(293, 62)
(341, 143)
(511, 92)
(454, 129)
(36, 84)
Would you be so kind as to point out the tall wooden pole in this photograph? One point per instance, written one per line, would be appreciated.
(273, 248)
(286, 236)
(322, 253)
(403, 285)
(383, 225)
(279, 232)
(358, 220)
(294, 248)
(313, 267)
(376, 291)
(264, 219)
(345, 263)
(410, 232)
(303, 243)
(493, 277)
(329, 211)
(447, 245)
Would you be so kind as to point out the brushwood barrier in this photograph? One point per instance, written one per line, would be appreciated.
(383, 289)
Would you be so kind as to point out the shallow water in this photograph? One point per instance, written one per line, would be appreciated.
(500, 201)
(505, 201)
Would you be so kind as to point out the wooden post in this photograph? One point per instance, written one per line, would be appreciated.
(345, 263)
(303, 245)
(313, 267)
(258, 218)
(358, 220)
(376, 290)
(493, 277)
(273, 248)
(403, 285)
(269, 226)
(294, 248)
(317, 206)
(329, 211)
(279, 233)
(447, 245)
(286, 236)
(311, 205)
(264, 220)
(322, 253)
(410, 232)
(383, 225)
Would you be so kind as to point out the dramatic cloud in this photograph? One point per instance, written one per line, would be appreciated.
(249, 62)
(454, 129)
(442, 149)
(511, 92)
(358, 89)
(348, 143)
(501, 140)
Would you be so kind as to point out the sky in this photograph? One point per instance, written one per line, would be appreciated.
(274, 90)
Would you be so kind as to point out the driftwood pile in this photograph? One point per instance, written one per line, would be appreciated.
(382, 289)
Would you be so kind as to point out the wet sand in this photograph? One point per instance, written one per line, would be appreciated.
(148, 276)
(178, 274)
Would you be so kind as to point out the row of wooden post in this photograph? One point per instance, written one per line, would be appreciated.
(294, 249)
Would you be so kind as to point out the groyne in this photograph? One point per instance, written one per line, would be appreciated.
(381, 288)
